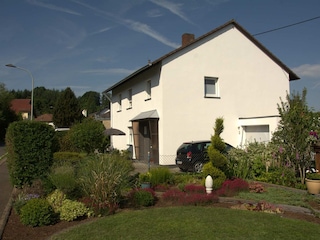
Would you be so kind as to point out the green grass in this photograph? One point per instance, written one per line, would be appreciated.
(280, 196)
(193, 223)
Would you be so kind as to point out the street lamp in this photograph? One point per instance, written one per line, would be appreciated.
(26, 70)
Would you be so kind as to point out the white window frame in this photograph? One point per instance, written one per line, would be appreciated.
(211, 83)
(129, 98)
(148, 90)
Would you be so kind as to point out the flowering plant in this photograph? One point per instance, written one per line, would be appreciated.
(313, 137)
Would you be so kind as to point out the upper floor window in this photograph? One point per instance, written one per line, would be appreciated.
(119, 102)
(211, 87)
(129, 98)
(148, 90)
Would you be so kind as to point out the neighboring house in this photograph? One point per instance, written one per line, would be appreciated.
(103, 116)
(224, 73)
(22, 107)
(46, 118)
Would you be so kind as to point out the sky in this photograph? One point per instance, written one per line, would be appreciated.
(89, 45)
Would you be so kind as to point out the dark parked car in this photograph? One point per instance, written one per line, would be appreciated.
(192, 155)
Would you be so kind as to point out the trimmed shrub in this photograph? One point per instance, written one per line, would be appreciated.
(37, 212)
(217, 175)
(71, 210)
(30, 151)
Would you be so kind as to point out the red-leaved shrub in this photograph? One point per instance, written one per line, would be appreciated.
(232, 187)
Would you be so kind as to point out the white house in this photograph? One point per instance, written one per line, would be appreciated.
(224, 73)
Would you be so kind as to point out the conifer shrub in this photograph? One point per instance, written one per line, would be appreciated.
(37, 212)
(217, 175)
(217, 148)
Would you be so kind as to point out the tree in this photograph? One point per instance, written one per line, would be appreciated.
(67, 109)
(7, 115)
(88, 136)
(293, 132)
(90, 101)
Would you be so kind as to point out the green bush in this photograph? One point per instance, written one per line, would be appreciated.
(88, 136)
(73, 158)
(37, 212)
(56, 199)
(217, 175)
(160, 175)
(142, 198)
(71, 210)
(22, 200)
(64, 178)
(30, 151)
(280, 176)
(104, 177)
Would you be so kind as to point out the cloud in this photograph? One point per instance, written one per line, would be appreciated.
(174, 8)
(308, 70)
(114, 71)
(133, 25)
(154, 13)
(101, 30)
(53, 7)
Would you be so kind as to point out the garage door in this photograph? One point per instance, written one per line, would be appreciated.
(258, 133)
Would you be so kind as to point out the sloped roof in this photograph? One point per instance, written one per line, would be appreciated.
(47, 117)
(292, 75)
(21, 105)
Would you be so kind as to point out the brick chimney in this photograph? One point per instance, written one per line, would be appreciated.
(187, 38)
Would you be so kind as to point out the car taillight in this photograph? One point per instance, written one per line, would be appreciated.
(189, 154)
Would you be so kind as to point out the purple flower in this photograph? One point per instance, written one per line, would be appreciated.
(281, 149)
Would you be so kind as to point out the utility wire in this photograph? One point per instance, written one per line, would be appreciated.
(272, 30)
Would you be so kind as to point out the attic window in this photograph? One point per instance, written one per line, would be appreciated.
(211, 87)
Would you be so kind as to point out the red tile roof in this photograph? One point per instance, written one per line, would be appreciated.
(47, 117)
(21, 105)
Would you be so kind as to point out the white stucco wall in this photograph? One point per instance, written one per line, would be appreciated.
(250, 86)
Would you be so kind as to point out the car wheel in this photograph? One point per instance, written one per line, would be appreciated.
(198, 167)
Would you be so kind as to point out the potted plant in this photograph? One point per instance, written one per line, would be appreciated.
(313, 183)
(145, 180)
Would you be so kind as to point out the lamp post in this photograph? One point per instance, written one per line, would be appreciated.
(26, 70)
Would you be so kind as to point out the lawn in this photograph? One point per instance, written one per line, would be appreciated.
(193, 222)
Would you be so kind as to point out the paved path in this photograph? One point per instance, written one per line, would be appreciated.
(5, 191)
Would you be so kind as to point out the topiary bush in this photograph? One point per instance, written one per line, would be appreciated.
(217, 175)
(30, 151)
(37, 212)
(71, 210)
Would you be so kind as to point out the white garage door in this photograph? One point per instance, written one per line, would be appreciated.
(258, 133)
